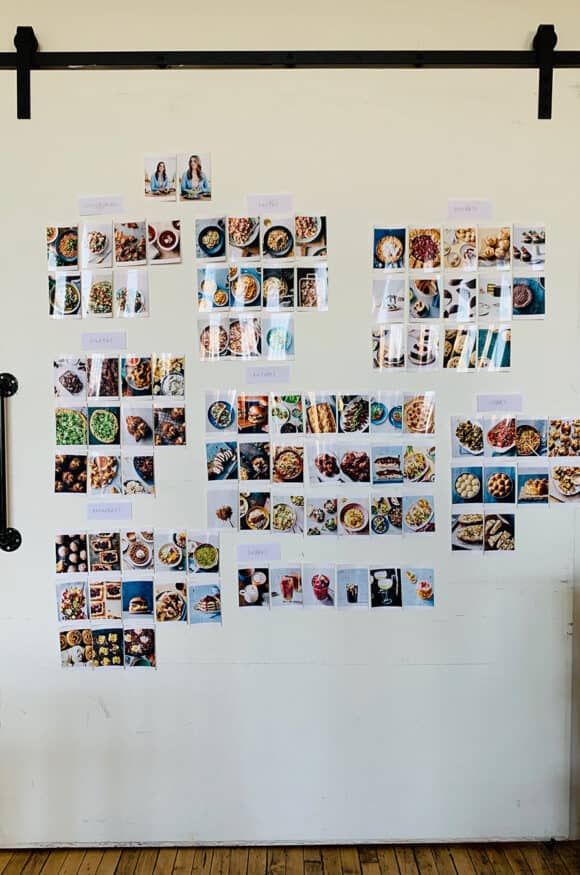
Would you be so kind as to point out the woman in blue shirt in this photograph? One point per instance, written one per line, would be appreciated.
(159, 180)
(194, 182)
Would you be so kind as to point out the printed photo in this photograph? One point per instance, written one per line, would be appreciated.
(97, 245)
(169, 426)
(319, 587)
(419, 413)
(459, 348)
(137, 426)
(388, 347)
(213, 287)
(310, 236)
(494, 248)
(466, 437)
(160, 176)
(245, 337)
(70, 473)
(533, 485)
(423, 347)
(254, 463)
(136, 376)
(287, 464)
(387, 412)
(564, 484)
(108, 646)
(424, 298)
(221, 406)
(62, 245)
(97, 600)
(529, 247)
(105, 474)
(255, 511)
(323, 462)
(385, 588)
(254, 587)
(500, 435)
(353, 515)
(71, 555)
(195, 180)
(104, 425)
(278, 288)
(419, 464)
(130, 242)
(164, 241)
(499, 484)
(137, 550)
(104, 551)
(387, 464)
(532, 437)
(203, 552)
(223, 509)
(564, 437)
(138, 475)
(97, 293)
(460, 298)
(70, 426)
(139, 644)
(467, 484)
(64, 296)
(71, 601)
(170, 550)
(210, 238)
(529, 297)
(171, 600)
(222, 460)
(253, 413)
(113, 599)
(286, 414)
(131, 292)
(279, 334)
(320, 413)
(495, 297)
(137, 599)
(353, 414)
(389, 248)
(354, 463)
(460, 248)
(70, 378)
(418, 587)
(499, 532)
(277, 237)
(286, 586)
(494, 348)
(386, 514)
(244, 237)
(103, 376)
(352, 587)
(389, 299)
(287, 514)
(205, 601)
(76, 647)
(418, 514)
(168, 375)
(424, 248)
(322, 515)
(312, 285)
(467, 531)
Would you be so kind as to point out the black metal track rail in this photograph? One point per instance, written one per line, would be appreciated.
(10, 539)
(540, 56)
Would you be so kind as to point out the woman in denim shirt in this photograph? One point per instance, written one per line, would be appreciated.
(193, 179)
(159, 180)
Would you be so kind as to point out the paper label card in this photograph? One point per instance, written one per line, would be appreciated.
(270, 203)
(252, 553)
(92, 341)
(469, 209)
(268, 374)
(101, 205)
(109, 510)
(500, 403)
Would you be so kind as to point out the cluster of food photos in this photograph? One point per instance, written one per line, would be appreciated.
(473, 280)
(324, 585)
(252, 273)
(113, 588)
(83, 284)
(262, 451)
(110, 413)
(508, 460)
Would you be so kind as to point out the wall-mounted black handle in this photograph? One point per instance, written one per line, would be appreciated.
(10, 539)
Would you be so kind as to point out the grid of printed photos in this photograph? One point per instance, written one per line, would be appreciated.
(507, 461)
(446, 297)
(367, 461)
(85, 285)
(111, 412)
(354, 587)
(114, 588)
(253, 272)
(168, 174)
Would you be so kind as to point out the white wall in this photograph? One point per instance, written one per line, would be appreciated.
(452, 724)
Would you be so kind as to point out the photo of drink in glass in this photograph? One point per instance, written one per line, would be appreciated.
(318, 586)
(286, 586)
(352, 586)
(385, 587)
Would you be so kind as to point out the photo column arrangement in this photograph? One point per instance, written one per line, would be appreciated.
(115, 589)
(504, 462)
(323, 465)
(253, 273)
(446, 297)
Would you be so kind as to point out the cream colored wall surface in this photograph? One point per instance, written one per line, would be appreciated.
(445, 724)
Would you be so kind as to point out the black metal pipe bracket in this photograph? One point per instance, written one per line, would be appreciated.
(10, 539)
(540, 56)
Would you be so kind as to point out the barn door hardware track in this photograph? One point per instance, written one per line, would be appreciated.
(541, 56)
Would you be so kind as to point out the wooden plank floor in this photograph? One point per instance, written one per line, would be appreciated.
(503, 859)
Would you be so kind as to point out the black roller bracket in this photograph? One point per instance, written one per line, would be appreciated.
(10, 539)
(540, 56)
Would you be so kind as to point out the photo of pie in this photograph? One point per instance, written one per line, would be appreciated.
(419, 415)
(389, 249)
